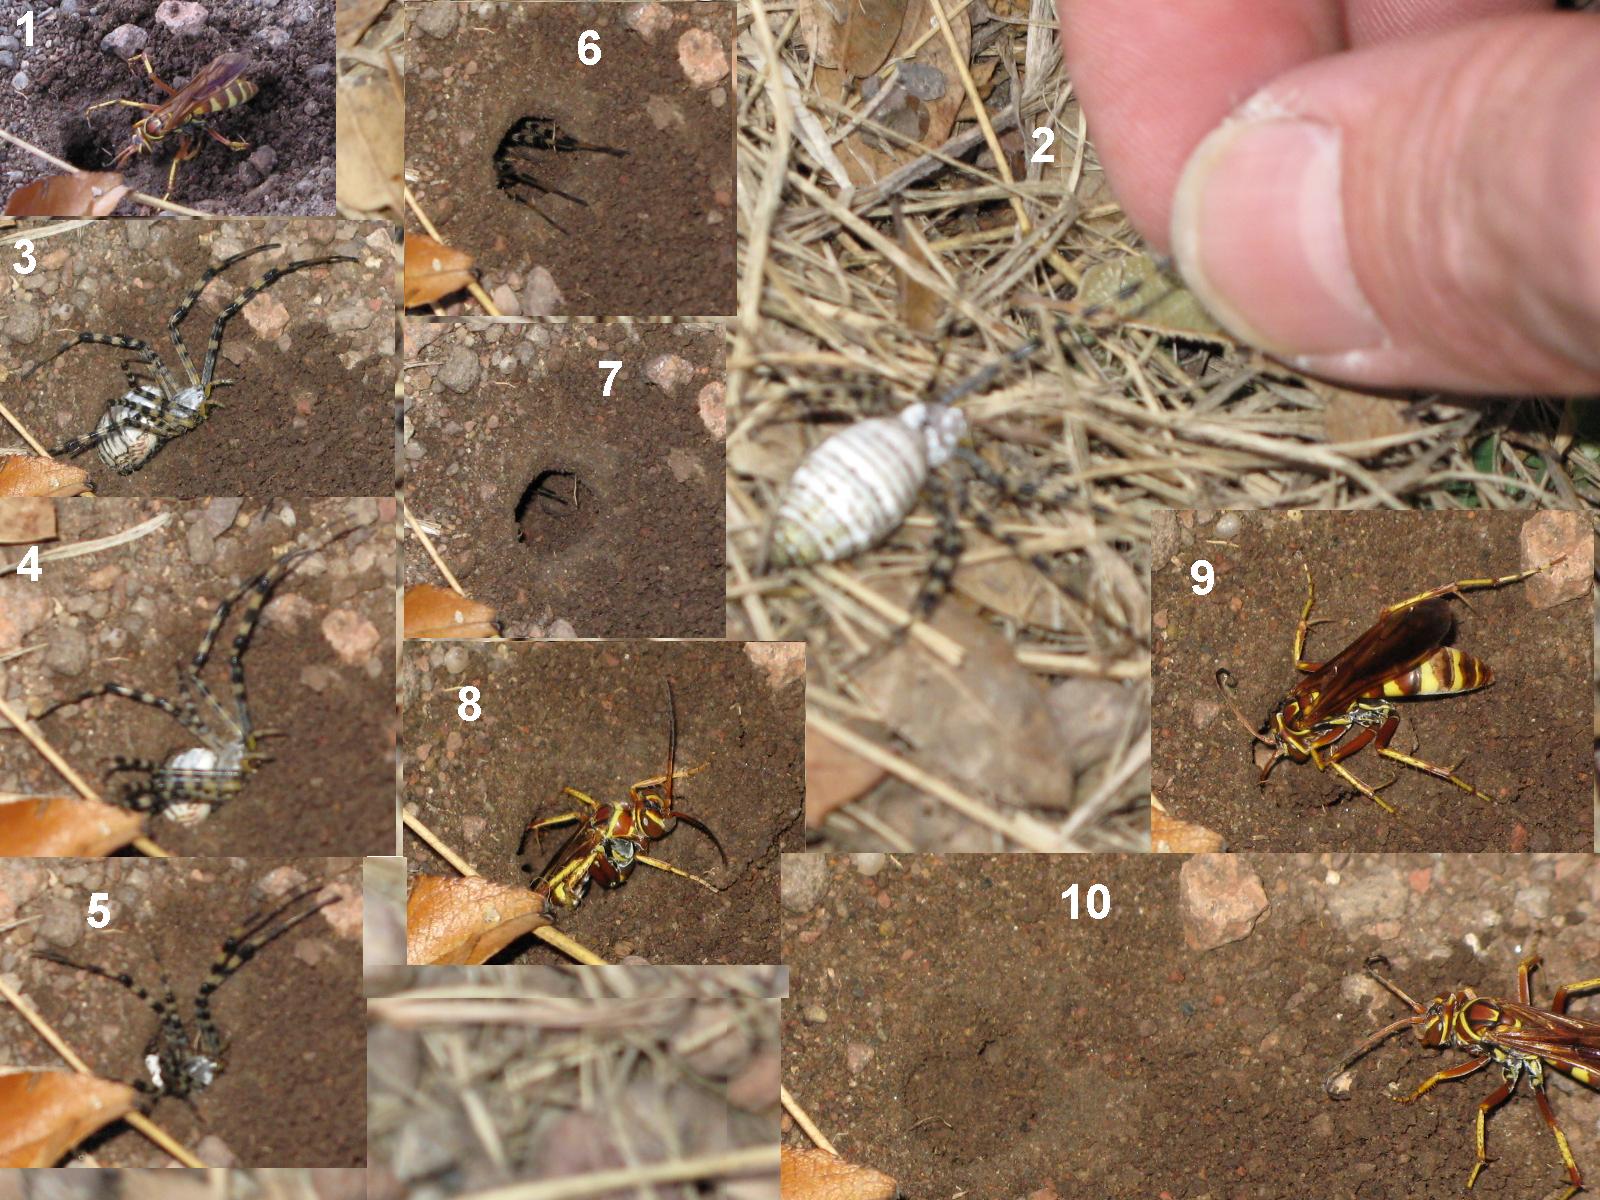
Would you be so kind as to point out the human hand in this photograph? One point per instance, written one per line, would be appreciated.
(1394, 193)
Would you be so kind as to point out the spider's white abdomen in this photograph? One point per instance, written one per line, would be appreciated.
(856, 488)
(128, 445)
(200, 769)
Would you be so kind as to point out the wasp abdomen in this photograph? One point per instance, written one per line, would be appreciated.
(856, 488)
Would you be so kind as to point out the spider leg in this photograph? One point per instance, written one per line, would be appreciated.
(250, 293)
(172, 1031)
(142, 349)
(193, 294)
(186, 716)
(247, 940)
(948, 544)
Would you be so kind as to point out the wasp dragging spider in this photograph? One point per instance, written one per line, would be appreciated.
(156, 408)
(188, 785)
(185, 1055)
(518, 156)
(611, 837)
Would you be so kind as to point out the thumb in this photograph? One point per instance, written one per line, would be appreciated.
(1424, 213)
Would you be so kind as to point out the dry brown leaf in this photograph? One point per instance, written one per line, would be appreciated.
(807, 1174)
(44, 1114)
(86, 194)
(920, 306)
(1160, 304)
(1548, 536)
(353, 17)
(871, 28)
(436, 612)
(25, 520)
(30, 475)
(834, 777)
(466, 921)
(987, 723)
(371, 123)
(1350, 416)
(434, 271)
(927, 122)
(64, 827)
(1168, 835)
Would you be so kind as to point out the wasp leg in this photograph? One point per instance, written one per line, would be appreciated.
(187, 149)
(1494, 1101)
(658, 780)
(1561, 1141)
(1439, 772)
(129, 103)
(672, 870)
(230, 143)
(144, 57)
(1468, 585)
(549, 822)
(1305, 623)
(1369, 792)
(1558, 1002)
(1459, 1071)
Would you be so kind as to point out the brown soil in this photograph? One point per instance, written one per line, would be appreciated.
(594, 717)
(1526, 739)
(132, 613)
(1000, 1048)
(293, 1090)
(656, 236)
(640, 551)
(291, 47)
(311, 414)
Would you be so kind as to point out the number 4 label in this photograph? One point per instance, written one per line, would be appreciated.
(29, 565)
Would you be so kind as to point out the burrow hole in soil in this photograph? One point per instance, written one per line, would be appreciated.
(555, 510)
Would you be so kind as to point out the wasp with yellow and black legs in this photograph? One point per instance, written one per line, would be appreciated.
(218, 86)
(611, 837)
(1347, 703)
(1517, 1036)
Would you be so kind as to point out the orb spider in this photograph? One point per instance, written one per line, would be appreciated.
(611, 838)
(513, 157)
(181, 1062)
(190, 784)
(156, 409)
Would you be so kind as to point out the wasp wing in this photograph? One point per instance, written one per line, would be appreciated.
(1397, 643)
(208, 81)
(1572, 1044)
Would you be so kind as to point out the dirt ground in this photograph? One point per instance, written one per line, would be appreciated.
(110, 616)
(1525, 740)
(292, 1091)
(312, 412)
(948, 1024)
(594, 717)
(494, 409)
(289, 124)
(656, 236)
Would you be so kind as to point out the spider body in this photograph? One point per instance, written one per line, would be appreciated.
(858, 486)
(189, 784)
(179, 1060)
(157, 407)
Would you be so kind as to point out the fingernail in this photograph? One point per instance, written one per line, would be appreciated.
(1259, 233)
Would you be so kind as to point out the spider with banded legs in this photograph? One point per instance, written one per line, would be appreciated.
(190, 784)
(156, 408)
(514, 161)
(182, 1060)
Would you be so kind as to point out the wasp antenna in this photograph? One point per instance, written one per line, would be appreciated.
(1224, 673)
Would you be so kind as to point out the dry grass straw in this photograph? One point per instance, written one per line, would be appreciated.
(532, 1096)
(1130, 421)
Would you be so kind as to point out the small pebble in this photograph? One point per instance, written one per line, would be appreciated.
(1228, 525)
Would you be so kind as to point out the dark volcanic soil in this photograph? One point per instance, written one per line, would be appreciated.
(312, 409)
(655, 236)
(494, 409)
(132, 613)
(948, 1024)
(593, 716)
(294, 1085)
(1526, 739)
(289, 167)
